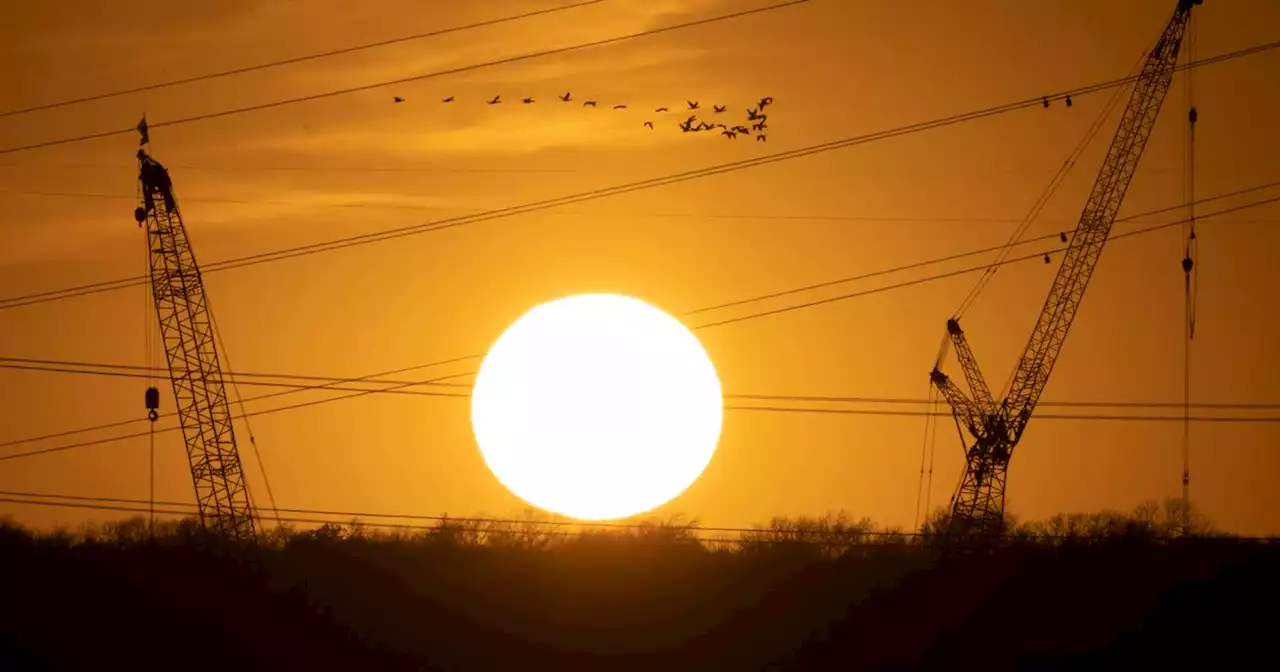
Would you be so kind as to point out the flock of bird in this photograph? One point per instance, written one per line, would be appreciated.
(756, 120)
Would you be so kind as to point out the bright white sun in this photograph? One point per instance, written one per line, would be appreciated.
(597, 406)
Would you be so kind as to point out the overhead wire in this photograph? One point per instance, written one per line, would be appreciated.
(359, 518)
(295, 59)
(729, 407)
(333, 386)
(714, 324)
(397, 232)
(964, 271)
(406, 80)
(1043, 200)
(951, 257)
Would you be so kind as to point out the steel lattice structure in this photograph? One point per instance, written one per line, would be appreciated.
(977, 508)
(189, 345)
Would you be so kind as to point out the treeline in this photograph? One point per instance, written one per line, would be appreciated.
(832, 592)
(1150, 522)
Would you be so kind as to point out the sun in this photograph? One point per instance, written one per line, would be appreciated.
(597, 406)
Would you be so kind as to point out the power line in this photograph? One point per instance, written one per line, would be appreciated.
(964, 271)
(713, 324)
(109, 503)
(388, 234)
(134, 371)
(405, 80)
(961, 255)
(615, 213)
(296, 59)
(730, 407)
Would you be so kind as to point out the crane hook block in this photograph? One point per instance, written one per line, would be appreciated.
(1193, 116)
(153, 404)
(139, 215)
(1187, 264)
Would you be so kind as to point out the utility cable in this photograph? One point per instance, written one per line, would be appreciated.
(1216, 419)
(1052, 188)
(333, 386)
(964, 271)
(186, 509)
(387, 234)
(405, 80)
(296, 59)
(724, 322)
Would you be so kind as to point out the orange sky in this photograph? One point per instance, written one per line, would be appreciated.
(836, 68)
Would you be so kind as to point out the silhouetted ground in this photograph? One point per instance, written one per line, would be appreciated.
(654, 599)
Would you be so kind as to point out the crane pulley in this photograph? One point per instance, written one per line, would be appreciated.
(978, 505)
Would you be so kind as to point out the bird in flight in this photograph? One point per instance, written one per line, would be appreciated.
(398, 99)
(526, 101)
(759, 127)
(719, 108)
(661, 109)
(566, 97)
(496, 100)
(753, 114)
(741, 129)
(761, 138)
(619, 107)
(693, 104)
(728, 134)
(766, 101)
(448, 100)
(589, 103)
(706, 126)
(648, 125)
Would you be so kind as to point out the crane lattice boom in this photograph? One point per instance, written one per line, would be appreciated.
(978, 505)
(187, 333)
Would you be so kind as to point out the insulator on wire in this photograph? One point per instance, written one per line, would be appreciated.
(1062, 236)
(153, 404)
(1046, 258)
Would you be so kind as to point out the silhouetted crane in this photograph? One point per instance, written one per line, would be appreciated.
(693, 104)
(566, 97)
(719, 108)
(222, 498)
(977, 508)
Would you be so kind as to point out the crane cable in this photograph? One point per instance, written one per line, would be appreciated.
(152, 393)
(929, 423)
(1055, 183)
(1189, 258)
(244, 415)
